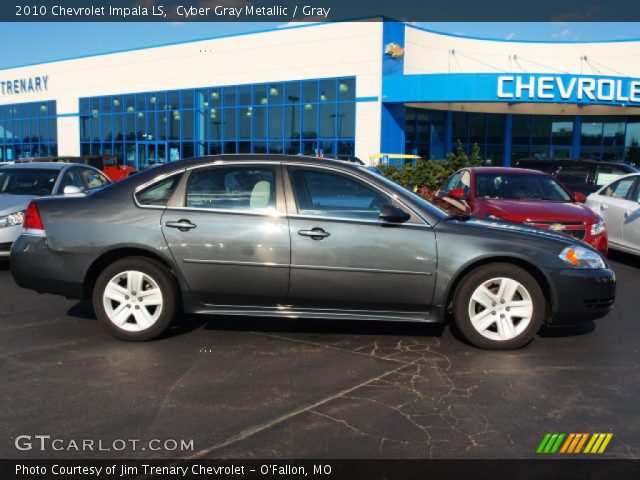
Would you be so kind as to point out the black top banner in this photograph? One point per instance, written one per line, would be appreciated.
(316, 10)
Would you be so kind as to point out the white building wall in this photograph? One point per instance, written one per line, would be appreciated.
(309, 52)
(427, 52)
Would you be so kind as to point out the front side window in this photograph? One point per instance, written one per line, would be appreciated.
(93, 179)
(619, 189)
(71, 178)
(607, 174)
(452, 182)
(242, 188)
(327, 194)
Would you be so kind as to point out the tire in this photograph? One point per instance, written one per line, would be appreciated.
(489, 294)
(139, 317)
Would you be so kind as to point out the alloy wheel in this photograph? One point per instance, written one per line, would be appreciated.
(500, 309)
(132, 301)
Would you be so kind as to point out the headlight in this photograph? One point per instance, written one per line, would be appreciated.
(598, 227)
(12, 219)
(580, 257)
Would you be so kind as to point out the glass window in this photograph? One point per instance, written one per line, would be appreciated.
(93, 179)
(613, 131)
(591, 132)
(520, 129)
(328, 194)
(244, 123)
(275, 93)
(519, 186)
(71, 178)
(243, 188)
(215, 97)
(244, 95)
(562, 131)
(346, 120)
(476, 128)
(230, 96)
(275, 122)
(573, 174)
(309, 120)
(292, 121)
(495, 129)
(27, 181)
(159, 193)
(260, 95)
(292, 92)
(259, 118)
(453, 180)
(328, 119)
(188, 99)
(347, 90)
(328, 90)
(540, 130)
(229, 124)
(619, 189)
(608, 173)
(310, 91)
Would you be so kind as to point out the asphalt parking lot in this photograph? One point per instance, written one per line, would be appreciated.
(261, 388)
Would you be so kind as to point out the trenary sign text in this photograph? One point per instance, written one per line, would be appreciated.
(17, 86)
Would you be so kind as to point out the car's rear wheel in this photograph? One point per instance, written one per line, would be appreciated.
(135, 299)
(499, 306)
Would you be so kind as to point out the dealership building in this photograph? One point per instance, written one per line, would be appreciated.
(358, 88)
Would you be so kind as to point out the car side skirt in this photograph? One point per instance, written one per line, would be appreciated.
(433, 315)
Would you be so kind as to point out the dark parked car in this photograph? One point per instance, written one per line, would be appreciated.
(298, 237)
(583, 176)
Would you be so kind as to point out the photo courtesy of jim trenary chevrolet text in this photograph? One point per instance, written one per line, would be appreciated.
(319, 239)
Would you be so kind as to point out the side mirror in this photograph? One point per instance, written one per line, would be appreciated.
(579, 197)
(389, 213)
(72, 190)
(457, 193)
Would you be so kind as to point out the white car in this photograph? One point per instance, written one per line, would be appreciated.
(618, 204)
(22, 182)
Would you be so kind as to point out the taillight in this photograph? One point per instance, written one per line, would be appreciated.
(32, 223)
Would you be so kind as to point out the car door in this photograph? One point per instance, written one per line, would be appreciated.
(343, 256)
(229, 234)
(631, 225)
(611, 203)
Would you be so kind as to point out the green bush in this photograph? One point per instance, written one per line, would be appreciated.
(427, 176)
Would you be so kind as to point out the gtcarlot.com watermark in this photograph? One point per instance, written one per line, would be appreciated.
(48, 443)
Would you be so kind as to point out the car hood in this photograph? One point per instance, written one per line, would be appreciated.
(523, 210)
(14, 203)
(515, 228)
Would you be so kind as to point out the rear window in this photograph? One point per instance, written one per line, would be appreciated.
(159, 193)
(28, 181)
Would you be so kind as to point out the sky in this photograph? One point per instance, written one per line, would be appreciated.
(42, 42)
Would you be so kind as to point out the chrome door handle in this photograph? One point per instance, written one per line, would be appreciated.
(315, 233)
(603, 206)
(183, 225)
(627, 214)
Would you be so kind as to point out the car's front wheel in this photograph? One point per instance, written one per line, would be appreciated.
(135, 299)
(499, 306)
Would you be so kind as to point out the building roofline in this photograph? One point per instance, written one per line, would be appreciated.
(490, 39)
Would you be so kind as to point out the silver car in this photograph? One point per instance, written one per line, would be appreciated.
(21, 183)
(618, 204)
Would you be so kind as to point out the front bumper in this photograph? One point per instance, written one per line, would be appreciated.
(582, 295)
(8, 235)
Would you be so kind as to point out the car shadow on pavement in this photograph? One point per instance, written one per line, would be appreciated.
(574, 330)
(624, 258)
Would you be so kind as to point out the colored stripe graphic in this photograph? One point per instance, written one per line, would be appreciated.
(573, 443)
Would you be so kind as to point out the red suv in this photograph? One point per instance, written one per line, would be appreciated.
(524, 196)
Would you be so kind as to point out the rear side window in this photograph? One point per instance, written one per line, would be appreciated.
(573, 174)
(94, 179)
(619, 189)
(242, 188)
(159, 193)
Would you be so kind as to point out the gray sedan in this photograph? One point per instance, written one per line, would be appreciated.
(297, 237)
(21, 183)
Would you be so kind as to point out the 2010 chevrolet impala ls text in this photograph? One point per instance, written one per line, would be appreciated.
(298, 237)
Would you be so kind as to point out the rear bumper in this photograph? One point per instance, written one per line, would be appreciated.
(34, 266)
(582, 295)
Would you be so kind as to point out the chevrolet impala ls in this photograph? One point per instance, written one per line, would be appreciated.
(298, 237)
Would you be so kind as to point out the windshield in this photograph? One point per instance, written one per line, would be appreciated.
(520, 186)
(27, 181)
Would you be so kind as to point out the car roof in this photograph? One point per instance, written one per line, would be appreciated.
(572, 160)
(38, 166)
(505, 170)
